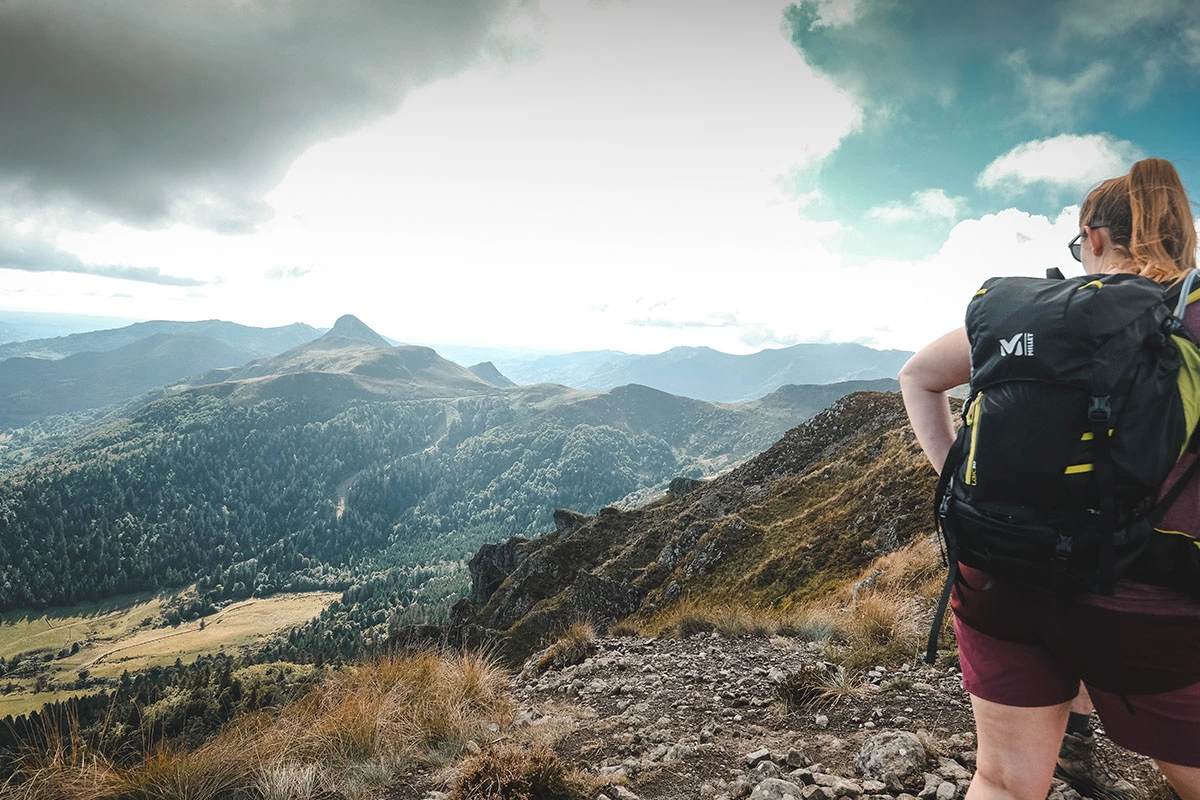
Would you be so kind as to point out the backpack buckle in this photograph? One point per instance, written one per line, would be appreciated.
(1063, 547)
(944, 505)
(1098, 408)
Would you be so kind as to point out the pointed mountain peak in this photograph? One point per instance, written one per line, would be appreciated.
(351, 327)
(488, 372)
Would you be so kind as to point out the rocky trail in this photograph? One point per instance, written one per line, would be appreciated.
(706, 717)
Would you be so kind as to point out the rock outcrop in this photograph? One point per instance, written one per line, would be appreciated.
(836, 492)
(492, 564)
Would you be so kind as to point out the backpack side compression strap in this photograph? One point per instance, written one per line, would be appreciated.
(1099, 413)
(940, 613)
(942, 498)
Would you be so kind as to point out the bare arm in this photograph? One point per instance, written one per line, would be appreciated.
(939, 366)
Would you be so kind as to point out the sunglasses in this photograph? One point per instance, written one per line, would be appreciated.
(1076, 245)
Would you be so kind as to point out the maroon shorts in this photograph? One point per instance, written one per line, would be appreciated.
(1142, 669)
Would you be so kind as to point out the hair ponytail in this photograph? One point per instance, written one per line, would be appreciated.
(1149, 219)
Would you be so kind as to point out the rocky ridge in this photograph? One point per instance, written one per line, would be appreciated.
(703, 717)
(831, 496)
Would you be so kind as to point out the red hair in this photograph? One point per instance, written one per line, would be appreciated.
(1149, 218)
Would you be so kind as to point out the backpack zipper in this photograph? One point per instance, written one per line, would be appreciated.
(973, 414)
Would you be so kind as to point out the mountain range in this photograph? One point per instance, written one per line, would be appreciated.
(32, 388)
(707, 374)
(259, 341)
(341, 457)
(100, 370)
(19, 326)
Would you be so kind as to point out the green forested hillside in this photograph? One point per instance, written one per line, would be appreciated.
(287, 495)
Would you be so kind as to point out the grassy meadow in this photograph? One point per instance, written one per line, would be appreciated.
(119, 634)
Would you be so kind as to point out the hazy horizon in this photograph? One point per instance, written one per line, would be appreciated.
(75, 323)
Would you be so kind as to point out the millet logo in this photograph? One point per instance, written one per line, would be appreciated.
(1019, 345)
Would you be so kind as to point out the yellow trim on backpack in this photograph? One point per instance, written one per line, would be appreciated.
(1089, 436)
(1189, 386)
(1177, 533)
(1097, 284)
(984, 291)
(973, 413)
(1076, 469)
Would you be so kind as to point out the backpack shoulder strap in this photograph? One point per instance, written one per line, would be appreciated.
(1184, 292)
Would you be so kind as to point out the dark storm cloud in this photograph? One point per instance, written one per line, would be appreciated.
(38, 257)
(153, 112)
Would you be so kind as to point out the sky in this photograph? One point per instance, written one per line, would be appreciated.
(571, 174)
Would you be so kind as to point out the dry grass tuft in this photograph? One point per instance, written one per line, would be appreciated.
(881, 626)
(217, 771)
(881, 629)
(1154, 787)
(370, 720)
(916, 569)
(571, 647)
(624, 628)
(934, 746)
(57, 764)
(819, 685)
(513, 771)
(692, 616)
(77, 780)
(815, 624)
(350, 734)
(287, 780)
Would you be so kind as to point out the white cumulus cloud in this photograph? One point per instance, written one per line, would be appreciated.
(1068, 161)
(835, 13)
(930, 204)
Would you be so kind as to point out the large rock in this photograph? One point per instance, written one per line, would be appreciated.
(491, 565)
(601, 600)
(533, 580)
(891, 757)
(568, 521)
(681, 486)
(674, 550)
(776, 789)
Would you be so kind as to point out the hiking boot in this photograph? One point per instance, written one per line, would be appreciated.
(1083, 772)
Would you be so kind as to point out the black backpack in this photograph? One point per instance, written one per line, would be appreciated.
(1084, 394)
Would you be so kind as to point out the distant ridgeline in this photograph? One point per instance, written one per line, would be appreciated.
(707, 374)
(341, 458)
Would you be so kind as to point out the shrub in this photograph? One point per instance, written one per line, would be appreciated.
(624, 628)
(816, 685)
(519, 772)
(217, 771)
(287, 781)
(571, 647)
(881, 629)
(55, 763)
(812, 625)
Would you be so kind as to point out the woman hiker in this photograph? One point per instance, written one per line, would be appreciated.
(1140, 646)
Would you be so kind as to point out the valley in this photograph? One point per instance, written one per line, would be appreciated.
(64, 652)
(344, 499)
